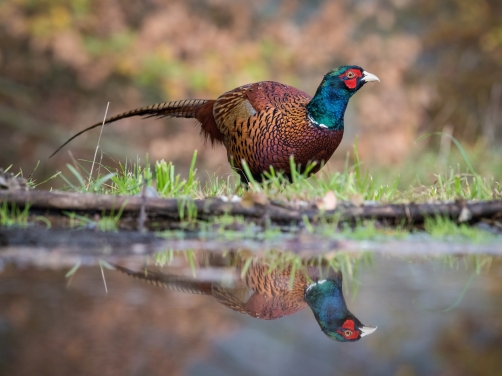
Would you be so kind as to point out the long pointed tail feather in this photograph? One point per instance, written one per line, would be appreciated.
(184, 109)
(169, 281)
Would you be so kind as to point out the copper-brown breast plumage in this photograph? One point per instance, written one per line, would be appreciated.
(267, 122)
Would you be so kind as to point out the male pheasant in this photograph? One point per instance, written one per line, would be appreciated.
(265, 123)
(266, 294)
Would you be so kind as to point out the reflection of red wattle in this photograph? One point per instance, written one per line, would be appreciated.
(349, 324)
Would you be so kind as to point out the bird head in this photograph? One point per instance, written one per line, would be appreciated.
(349, 329)
(348, 79)
(325, 298)
(327, 107)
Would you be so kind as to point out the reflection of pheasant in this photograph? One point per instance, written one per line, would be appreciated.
(266, 295)
(266, 122)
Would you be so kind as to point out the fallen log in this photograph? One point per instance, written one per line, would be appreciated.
(279, 213)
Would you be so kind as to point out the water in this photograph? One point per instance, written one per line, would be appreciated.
(193, 312)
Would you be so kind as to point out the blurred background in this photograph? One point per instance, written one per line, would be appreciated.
(440, 65)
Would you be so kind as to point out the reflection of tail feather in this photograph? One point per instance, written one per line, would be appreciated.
(227, 298)
(169, 281)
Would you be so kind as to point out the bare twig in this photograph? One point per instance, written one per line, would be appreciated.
(103, 275)
(97, 146)
(142, 211)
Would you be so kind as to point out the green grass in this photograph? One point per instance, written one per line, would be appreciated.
(445, 229)
(423, 178)
(353, 183)
(104, 222)
(13, 216)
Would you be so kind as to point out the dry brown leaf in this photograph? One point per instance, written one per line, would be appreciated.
(357, 199)
(328, 202)
(465, 215)
(254, 198)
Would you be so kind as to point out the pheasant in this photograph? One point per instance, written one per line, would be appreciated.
(265, 123)
(267, 295)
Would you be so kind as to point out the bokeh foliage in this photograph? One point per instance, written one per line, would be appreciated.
(60, 63)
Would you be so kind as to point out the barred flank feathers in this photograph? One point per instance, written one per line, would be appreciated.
(183, 109)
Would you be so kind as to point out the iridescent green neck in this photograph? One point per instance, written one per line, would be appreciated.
(327, 107)
(325, 298)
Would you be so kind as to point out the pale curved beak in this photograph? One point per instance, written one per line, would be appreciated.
(368, 77)
(365, 330)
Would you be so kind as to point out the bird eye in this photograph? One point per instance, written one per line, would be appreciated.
(347, 333)
(350, 74)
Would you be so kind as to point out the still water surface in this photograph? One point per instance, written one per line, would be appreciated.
(236, 312)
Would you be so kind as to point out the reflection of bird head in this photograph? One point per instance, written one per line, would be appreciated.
(325, 298)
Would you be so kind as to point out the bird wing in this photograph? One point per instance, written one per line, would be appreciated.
(249, 101)
(231, 107)
(267, 307)
(273, 296)
(232, 298)
(258, 305)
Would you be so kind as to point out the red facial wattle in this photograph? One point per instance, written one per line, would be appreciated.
(350, 77)
(349, 324)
